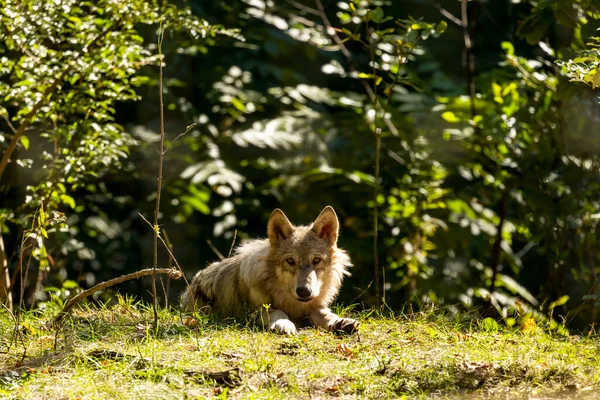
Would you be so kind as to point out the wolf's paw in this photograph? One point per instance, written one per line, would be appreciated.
(283, 326)
(344, 325)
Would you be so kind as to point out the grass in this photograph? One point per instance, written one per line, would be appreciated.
(115, 352)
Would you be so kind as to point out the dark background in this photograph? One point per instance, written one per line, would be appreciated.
(303, 143)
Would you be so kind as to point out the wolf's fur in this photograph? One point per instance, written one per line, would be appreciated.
(297, 270)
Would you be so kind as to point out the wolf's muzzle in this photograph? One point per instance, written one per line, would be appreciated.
(304, 293)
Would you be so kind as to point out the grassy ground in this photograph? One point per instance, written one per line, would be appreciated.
(115, 353)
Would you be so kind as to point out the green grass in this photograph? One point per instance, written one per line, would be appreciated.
(114, 352)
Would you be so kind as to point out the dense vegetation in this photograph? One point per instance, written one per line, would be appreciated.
(456, 141)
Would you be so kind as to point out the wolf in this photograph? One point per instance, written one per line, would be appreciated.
(294, 274)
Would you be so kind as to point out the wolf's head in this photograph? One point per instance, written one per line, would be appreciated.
(304, 257)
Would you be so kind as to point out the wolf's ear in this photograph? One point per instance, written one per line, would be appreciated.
(326, 225)
(279, 227)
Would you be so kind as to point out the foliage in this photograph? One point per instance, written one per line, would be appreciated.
(65, 66)
(488, 171)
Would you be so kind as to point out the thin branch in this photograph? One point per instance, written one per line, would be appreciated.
(5, 286)
(187, 129)
(171, 272)
(302, 7)
(169, 246)
(375, 101)
(160, 168)
(232, 243)
(376, 277)
(497, 248)
(6, 118)
(449, 15)
(215, 250)
(469, 55)
(18, 333)
(168, 250)
(593, 275)
(376, 218)
(24, 278)
(17, 271)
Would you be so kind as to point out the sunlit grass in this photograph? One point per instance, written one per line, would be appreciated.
(115, 352)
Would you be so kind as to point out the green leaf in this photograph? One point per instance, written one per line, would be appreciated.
(489, 325)
(238, 104)
(44, 233)
(508, 48)
(502, 148)
(42, 217)
(25, 142)
(377, 15)
(68, 200)
(420, 25)
(70, 284)
(497, 91)
(441, 27)
(450, 117)
(197, 204)
(363, 75)
(560, 301)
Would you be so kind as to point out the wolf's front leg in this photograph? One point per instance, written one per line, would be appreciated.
(278, 322)
(324, 318)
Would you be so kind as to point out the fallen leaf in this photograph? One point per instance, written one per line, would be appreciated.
(345, 350)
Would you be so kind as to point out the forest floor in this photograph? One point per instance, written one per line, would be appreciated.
(115, 353)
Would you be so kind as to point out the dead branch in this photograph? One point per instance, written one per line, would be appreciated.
(171, 272)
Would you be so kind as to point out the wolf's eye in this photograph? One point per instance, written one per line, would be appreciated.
(316, 260)
(289, 261)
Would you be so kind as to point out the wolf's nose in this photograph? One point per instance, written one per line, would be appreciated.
(303, 292)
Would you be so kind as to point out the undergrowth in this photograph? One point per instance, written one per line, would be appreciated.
(117, 352)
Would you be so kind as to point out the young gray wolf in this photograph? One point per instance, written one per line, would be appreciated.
(298, 271)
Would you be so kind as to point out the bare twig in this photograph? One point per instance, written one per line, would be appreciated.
(5, 286)
(376, 277)
(167, 289)
(172, 272)
(302, 7)
(167, 248)
(497, 248)
(160, 168)
(24, 277)
(187, 129)
(375, 101)
(449, 15)
(376, 218)
(7, 119)
(18, 334)
(17, 271)
(469, 55)
(593, 275)
(232, 243)
(215, 250)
